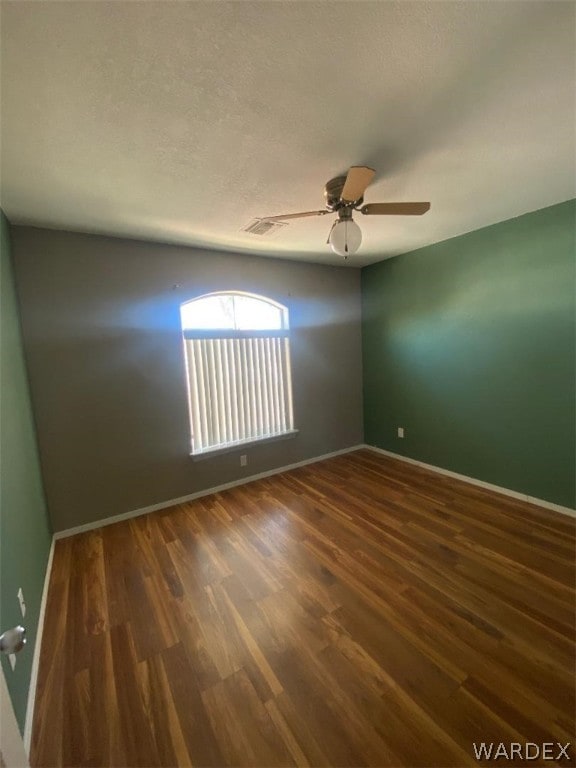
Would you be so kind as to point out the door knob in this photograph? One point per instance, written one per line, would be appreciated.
(13, 640)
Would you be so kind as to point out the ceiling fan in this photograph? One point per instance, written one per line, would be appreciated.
(345, 194)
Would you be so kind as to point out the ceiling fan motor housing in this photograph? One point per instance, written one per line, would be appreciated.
(333, 194)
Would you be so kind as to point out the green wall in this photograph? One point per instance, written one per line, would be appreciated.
(469, 344)
(24, 529)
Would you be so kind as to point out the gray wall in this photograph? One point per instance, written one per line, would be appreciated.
(100, 318)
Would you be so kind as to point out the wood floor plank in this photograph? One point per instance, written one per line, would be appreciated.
(141, 748)
(48, 731)
(161, 712)
(105, 722)
(242, 724)
(201, 741)
(357, 611)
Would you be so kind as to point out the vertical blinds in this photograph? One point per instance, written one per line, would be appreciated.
(240, 388)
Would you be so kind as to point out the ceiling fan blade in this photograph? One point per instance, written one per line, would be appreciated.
(295, 215)
(358, 178)
(395, 209)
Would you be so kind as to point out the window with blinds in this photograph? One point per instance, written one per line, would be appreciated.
(238, 369)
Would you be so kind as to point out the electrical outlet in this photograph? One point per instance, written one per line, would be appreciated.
(400, 431)
(12, 659)
(243, 460)
(22, 602)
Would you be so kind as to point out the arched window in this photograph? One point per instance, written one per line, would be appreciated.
(238, 362)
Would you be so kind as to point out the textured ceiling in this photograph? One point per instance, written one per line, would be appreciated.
(182, 121)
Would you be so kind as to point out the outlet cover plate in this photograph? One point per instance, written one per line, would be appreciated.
(22, 602)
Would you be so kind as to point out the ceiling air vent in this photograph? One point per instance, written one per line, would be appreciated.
(263, 227)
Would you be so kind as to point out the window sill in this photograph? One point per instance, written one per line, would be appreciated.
(212, 453)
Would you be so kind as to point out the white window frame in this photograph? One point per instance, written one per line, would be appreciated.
(239, 382)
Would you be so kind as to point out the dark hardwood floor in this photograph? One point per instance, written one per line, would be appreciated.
(357, 611)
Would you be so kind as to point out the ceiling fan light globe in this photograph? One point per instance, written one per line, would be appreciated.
(345, 237)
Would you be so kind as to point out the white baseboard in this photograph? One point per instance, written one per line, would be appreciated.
(29, 721)
(199, 494)
(480, 483)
